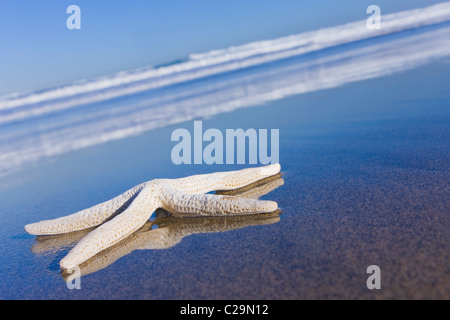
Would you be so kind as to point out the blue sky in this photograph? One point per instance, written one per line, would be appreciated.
(38, 51)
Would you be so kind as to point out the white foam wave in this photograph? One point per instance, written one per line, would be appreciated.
(17, 107)
(37, 138)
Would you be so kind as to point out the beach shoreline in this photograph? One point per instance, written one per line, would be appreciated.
(365, 183)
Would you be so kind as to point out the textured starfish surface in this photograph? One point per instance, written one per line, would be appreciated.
(121, 216)
(169, 231)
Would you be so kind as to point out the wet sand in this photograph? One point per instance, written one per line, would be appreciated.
(366, 182)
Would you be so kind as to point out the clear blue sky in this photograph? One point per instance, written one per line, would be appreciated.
(37, 50)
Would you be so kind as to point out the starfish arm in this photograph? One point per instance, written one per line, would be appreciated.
(108, 256)
(86, 218)
(193, 205)
(115, 230)
(204, 183)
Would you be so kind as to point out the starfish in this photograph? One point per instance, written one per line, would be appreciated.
(123, 215)
(169, 232)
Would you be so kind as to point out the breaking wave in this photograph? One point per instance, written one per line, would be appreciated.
(40, 124)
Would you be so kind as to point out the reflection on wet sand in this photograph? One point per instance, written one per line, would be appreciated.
(165, 231)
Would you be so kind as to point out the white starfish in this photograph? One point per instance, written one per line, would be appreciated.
(184, 197)
(169, 232)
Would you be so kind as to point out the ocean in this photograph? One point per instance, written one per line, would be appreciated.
(36, 126)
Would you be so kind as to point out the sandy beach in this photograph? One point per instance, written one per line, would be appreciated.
(365, 182)
(357, 116)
